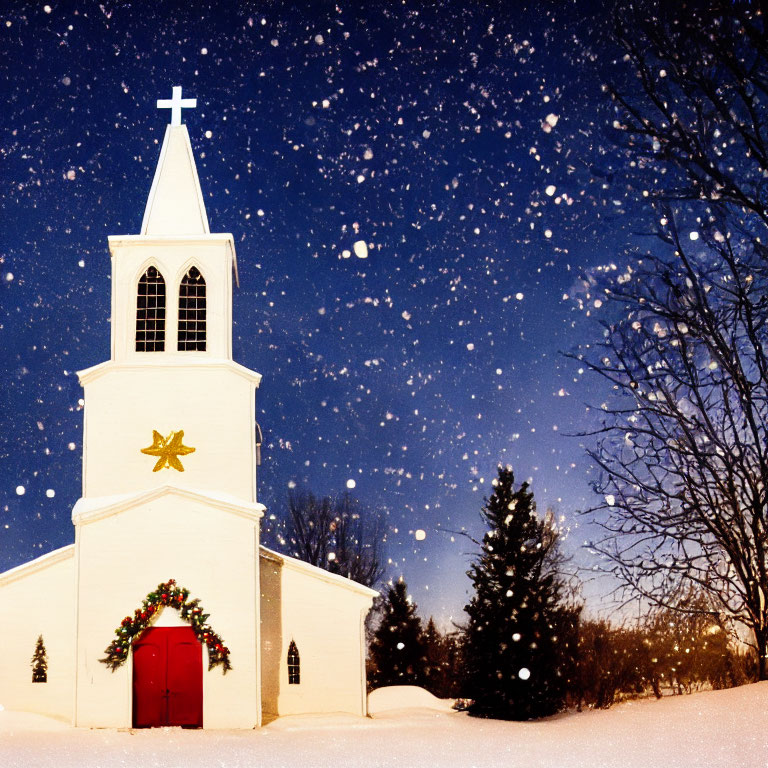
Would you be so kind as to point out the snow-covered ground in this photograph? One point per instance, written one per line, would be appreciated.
(717, 728)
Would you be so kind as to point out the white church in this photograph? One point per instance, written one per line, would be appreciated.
(166, 610)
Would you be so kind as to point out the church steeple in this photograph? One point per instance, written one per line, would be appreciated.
(172, 283)
(171, 367)
(175, 205)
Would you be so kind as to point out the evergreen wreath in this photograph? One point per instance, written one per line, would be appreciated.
(167, 594)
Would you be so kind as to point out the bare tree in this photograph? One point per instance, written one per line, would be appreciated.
(687, 649)
(683, 446)
(335, 534)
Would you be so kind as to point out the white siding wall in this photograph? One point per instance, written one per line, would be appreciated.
(38, 599)
(325, 621)
(131, 256)
(213, 406)
(125, 556)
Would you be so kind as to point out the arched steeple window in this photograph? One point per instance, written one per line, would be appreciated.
(294, 665)
(150, 312)
(192, 312)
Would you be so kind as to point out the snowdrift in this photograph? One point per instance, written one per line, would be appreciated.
(394, 697)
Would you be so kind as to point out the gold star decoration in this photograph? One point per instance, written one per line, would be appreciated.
(168, 449)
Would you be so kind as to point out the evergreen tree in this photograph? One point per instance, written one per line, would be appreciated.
(40, 662)
(434, 659)
(397, 650)
(441, 662)
(520, 639)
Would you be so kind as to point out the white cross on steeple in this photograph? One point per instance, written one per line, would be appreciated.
(176, 104)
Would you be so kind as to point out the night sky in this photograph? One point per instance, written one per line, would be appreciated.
(468, 144)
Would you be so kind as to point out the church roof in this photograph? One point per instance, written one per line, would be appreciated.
(175, 205)
(104, 506)
(38, 564)
(317, 573)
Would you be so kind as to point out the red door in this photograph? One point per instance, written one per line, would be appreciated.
(168, 678)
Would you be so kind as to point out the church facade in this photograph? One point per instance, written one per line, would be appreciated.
(166, 610)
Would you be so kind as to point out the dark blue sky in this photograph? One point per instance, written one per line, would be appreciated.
(468, 144)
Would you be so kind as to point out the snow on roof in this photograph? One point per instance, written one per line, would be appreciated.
(38, 564)
(89, 374)
(87, 510)
(110, 504)
(315, 572)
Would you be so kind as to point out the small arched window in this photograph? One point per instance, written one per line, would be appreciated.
(192, 312)
(150, 312)
(294, 665)
(259, 441)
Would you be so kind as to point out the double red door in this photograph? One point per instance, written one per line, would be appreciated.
(168, 678)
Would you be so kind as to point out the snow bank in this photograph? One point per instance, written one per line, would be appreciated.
(716, 729)
(395, 697)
